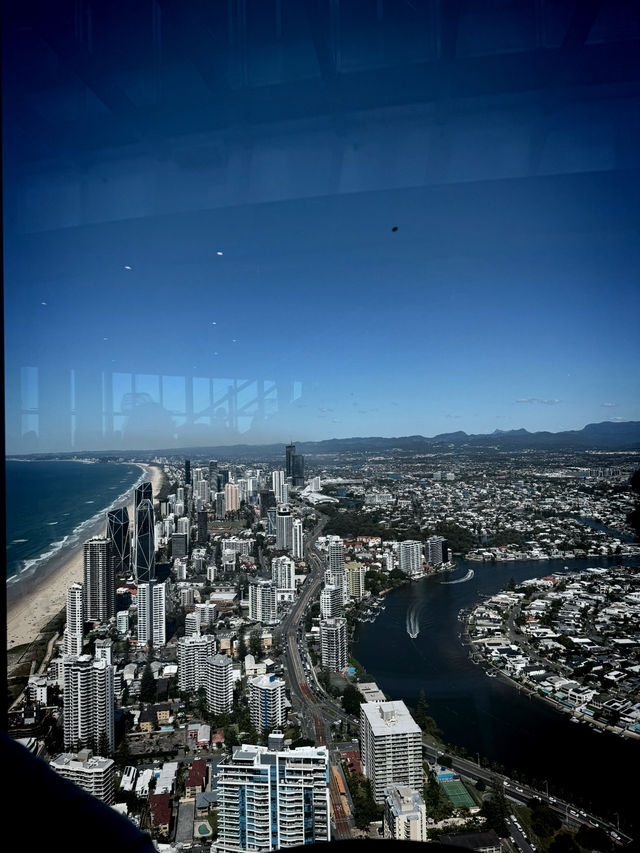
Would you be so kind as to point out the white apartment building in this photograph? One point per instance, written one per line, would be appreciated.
(283, 571)
(297, 537)
(94, 775)
(390, 746)
(405, 816)
(219, 684)
(89, 702)
(270, 799)
(330, 602)
(410, 558)
(73, 633)
(152, 602)
(267, 702)
(333, 644)
(284, 528)
(263, 605)
(193, 653)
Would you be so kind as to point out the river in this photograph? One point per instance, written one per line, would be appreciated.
(487, 715)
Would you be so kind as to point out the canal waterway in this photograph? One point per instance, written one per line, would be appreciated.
(488, 715)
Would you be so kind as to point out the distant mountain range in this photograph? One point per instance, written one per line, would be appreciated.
(608, 435)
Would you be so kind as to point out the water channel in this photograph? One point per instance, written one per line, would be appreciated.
(487, 715)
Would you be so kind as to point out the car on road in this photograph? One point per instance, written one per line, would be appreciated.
(519, 790)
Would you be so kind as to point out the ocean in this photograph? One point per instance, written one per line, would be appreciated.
(51, 506)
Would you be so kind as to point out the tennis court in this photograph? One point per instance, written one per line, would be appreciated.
(457, 793)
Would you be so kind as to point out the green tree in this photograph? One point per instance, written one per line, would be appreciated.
(564, 843)
(352, 699)
(148, 685)
(103, 748)
(592, 838)
(242, 647)
(255, 643)
(495, 810)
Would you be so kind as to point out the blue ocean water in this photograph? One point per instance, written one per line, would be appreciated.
(50, 504)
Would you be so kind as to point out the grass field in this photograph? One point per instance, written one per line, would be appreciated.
(457, 793)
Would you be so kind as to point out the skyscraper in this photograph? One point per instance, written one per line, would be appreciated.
(405, 816)
(152, 614)
(283, 573)
(187, 471)
(144, 556)
(330, 601)
(203, 527)
(297, 540)
(94, 774)
(143, 492)
(193, 653)
(410, 558)
(99, 585)
(390, 746)
(269, 799)
(335, 566)
(219, 684)
(290, 452)
(119, 535)
(297, 473)
(437, 548)
(73, 633)
(231, 497)
(284, 528)
(88, 703)
(263, 605)
(277, 482)
(333, 643)
(267, 702)
(356, 574)
(213, 475)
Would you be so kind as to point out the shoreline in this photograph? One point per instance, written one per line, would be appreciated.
(32, 602)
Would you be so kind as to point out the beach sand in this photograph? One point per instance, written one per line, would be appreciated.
(37, 605)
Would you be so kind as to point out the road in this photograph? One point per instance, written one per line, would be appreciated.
(521, 793)
(315, 725)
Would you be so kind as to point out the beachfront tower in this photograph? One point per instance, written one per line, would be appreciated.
(120, 536)
(144, 555)
(99, 585)
(74, 631)
(143, 492)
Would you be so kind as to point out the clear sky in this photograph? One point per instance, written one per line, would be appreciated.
(507, 297)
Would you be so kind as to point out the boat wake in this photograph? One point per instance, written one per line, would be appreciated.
(467, 577)
(413, 620)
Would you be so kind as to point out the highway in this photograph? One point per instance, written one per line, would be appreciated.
(314, 724)
(521, 793)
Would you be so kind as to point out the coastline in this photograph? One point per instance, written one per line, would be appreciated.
(33, 602)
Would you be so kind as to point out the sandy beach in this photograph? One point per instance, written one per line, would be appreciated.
(38, 604)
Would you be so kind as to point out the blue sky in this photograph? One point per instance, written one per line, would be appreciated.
(475, 320)
(188, 212)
